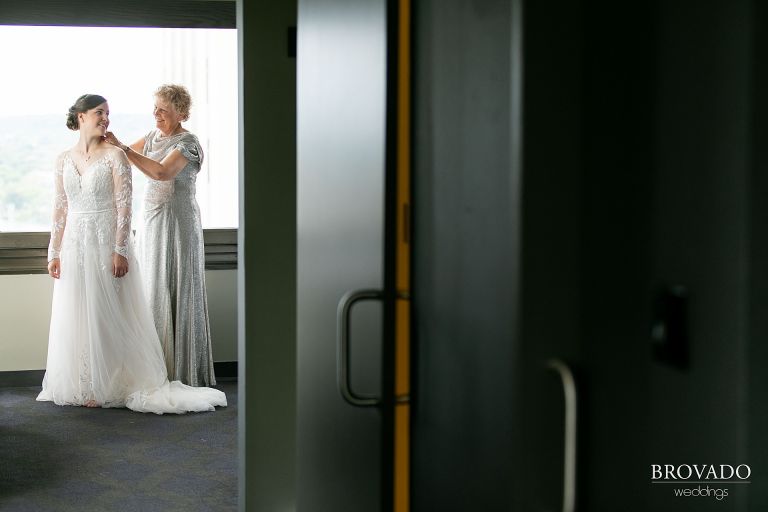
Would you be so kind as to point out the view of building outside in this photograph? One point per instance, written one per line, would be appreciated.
(55, 65)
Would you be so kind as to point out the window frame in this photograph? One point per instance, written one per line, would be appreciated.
(122, 13)
(27, 252)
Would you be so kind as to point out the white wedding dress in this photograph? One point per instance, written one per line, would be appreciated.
(102, 344)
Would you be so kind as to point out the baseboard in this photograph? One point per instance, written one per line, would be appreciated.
(226, 371)
(21, 379)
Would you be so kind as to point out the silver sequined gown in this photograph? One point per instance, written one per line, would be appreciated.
(172, 260)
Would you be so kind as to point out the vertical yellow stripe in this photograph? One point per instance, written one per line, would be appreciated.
(403, 268)
(402, 412)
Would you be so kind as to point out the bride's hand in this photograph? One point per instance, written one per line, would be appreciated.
(119, 265)
(54, 268)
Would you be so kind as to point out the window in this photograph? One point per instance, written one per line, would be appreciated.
(125, 65)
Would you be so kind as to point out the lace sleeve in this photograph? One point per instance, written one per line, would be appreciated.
(123, 189)
(59, 210)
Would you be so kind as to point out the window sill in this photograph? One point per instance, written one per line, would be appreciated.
(27, 253)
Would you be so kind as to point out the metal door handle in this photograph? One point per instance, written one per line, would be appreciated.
(569, 458)
(342, 346)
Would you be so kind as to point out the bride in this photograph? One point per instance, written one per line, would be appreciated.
(103, 349)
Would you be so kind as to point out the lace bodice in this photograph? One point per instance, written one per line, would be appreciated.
(96, 197)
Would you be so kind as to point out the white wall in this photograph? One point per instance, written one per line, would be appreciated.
(25, 312)
(222, 311)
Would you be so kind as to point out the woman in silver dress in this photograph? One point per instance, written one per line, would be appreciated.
(171, 250)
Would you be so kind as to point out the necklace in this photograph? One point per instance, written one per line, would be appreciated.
(85, 154)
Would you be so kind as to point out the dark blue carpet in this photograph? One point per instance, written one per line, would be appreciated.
(62, 459)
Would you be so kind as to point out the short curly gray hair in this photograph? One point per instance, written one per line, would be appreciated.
(178, 96)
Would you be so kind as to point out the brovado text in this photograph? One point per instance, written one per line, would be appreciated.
(719, 472)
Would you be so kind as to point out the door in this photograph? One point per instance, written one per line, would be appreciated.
(630, 176)
(466, 278)
(343, 418)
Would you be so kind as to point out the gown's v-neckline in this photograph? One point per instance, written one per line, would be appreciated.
(88, 164)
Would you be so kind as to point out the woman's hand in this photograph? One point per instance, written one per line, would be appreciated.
(119, 265)
(54, 268)
(110, 137)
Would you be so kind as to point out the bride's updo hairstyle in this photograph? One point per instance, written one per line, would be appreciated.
(178, 96)
(83, 104)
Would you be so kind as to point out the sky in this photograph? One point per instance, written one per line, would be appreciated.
(45, 69)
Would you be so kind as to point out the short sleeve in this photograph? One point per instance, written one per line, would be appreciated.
(190, 148)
